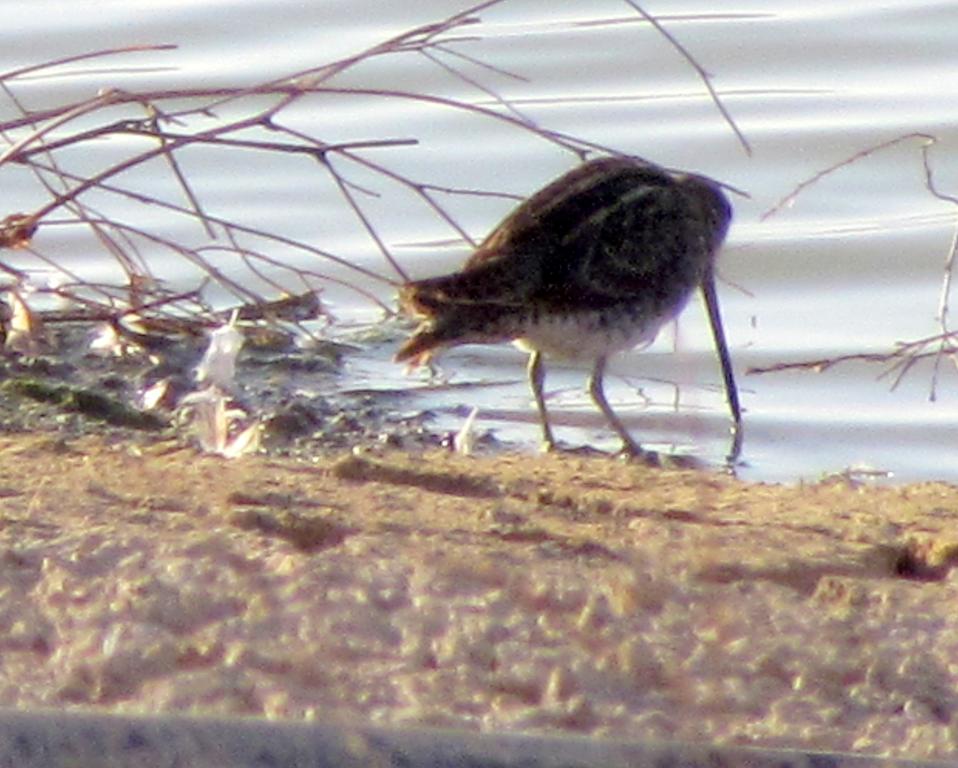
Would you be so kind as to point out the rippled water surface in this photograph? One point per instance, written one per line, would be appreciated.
(853, 265)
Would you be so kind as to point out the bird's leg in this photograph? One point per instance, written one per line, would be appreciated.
(731, 391)
(536, 379)
(629, 446)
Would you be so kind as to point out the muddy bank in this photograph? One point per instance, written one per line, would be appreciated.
(501, 593)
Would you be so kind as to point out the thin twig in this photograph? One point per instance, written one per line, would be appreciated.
(704, 76)
(64, 60)
(346, 192)
(900, 360)
(494, 95)
(178, 119)
(92, 105)
(797, 190)
(906, 355)
(246, 229)
(949, 266)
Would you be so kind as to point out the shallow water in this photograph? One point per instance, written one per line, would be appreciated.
(854, 265)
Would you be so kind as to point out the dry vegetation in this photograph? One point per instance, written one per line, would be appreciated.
(239, 263)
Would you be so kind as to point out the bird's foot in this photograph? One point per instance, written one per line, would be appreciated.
(632, 451)
(660, 460)
(574, 450)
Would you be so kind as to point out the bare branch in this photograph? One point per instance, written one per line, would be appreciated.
(226, 249)
(899, 361)
(790, 198)
(906, 355)
(34, 68)
(704, 76)
(61, 119)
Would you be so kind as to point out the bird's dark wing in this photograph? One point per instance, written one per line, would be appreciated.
(607, 232)
(644, 240)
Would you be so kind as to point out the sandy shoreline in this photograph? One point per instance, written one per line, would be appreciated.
(501, 594)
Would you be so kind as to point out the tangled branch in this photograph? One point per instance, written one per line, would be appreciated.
(904, 356)
(253, 264)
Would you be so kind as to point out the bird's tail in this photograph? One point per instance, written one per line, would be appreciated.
(419, 347)
(414, 300)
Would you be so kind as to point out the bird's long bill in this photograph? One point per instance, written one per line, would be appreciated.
(728, 375)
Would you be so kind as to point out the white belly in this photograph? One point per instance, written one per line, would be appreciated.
(583, 337)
